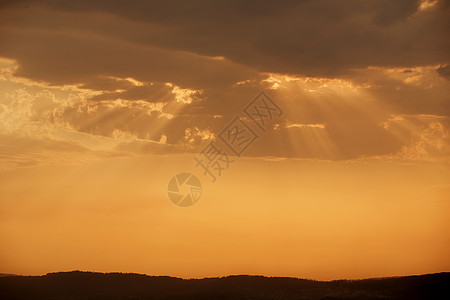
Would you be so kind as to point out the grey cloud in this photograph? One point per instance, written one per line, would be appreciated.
(444, 71)
(149, 92)
(389, 12)
(72, 59)
(314, 38)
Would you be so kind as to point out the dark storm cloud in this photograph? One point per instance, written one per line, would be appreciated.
(314, 38)
(418, 91)
(444, 71)
(58, 58)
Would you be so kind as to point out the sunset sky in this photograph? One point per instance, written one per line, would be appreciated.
(103, 102)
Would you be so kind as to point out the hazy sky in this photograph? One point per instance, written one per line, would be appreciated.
(102, 102)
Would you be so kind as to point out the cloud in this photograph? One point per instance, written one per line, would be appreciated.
(157, 92)
(420, 90)
(444, 71)
(427, 136)
(149, 72)
(313, 38)
(25, 151)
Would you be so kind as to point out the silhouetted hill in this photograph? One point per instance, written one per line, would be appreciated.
(87, 285)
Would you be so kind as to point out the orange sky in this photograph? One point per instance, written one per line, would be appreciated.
(101, 105)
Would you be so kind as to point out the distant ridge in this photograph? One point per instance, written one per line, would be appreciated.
(91, 285)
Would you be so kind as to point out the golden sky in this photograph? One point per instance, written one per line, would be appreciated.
(103, 102)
